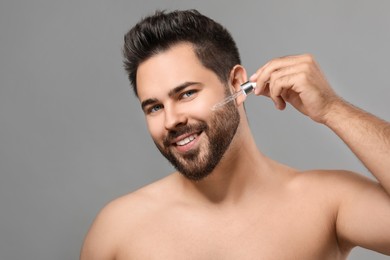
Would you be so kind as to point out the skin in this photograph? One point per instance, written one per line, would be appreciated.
(249, 207)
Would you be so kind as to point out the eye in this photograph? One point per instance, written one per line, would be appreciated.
(154, 109)
(188, 94)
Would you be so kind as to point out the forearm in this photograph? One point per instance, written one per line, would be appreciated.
(366, 135)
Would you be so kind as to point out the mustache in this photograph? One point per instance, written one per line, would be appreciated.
(185, 129)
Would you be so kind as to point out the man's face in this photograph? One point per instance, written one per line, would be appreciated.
(176, 93)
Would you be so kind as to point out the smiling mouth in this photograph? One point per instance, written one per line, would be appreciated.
(183, 137)
(186, 140)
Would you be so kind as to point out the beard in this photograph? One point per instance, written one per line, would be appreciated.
(198, 163)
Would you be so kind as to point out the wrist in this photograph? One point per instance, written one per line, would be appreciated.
(336, 111)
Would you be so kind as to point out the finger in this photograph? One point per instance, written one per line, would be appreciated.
(276, 86)
(279, 102)
(302, 68)
(261, 86)
(276, 90)
(283, 63)
(265, 90)
(281, 87)
(264, 73)
(273, 61)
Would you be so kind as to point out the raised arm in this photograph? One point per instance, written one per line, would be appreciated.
(366, 135)
(298, 80)
(363, 213)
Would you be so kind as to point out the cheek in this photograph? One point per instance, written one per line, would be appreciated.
(203, 106)
(156, 128)
(199, 110)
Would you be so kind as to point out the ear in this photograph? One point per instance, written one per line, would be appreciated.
(237, 77)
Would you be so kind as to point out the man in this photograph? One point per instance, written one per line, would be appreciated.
(227, 200)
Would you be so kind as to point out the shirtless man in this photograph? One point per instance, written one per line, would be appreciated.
(227, 200)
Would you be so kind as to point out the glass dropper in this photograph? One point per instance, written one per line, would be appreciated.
(246, 88)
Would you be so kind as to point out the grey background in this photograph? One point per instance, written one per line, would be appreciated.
(72, 135)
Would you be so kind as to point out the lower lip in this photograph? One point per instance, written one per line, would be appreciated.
(187, 147)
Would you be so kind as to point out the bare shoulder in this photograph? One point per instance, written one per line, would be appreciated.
(346, 194)
(333, 189)
(135, 204)
(332, 180)
(120, 217)
(360, 205)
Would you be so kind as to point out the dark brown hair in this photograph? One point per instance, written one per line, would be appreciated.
(213, 44)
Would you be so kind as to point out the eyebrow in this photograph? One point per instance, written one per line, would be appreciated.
(148, 102)
(171, 93)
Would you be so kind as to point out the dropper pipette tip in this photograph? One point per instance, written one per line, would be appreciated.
(246, 88)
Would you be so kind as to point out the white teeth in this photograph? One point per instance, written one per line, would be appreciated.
(186, 140)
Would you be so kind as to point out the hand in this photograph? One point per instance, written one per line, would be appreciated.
(298, 81)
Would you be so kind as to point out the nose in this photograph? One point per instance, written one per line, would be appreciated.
(174, 118)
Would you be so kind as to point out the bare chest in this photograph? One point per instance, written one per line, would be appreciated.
(275, 232)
